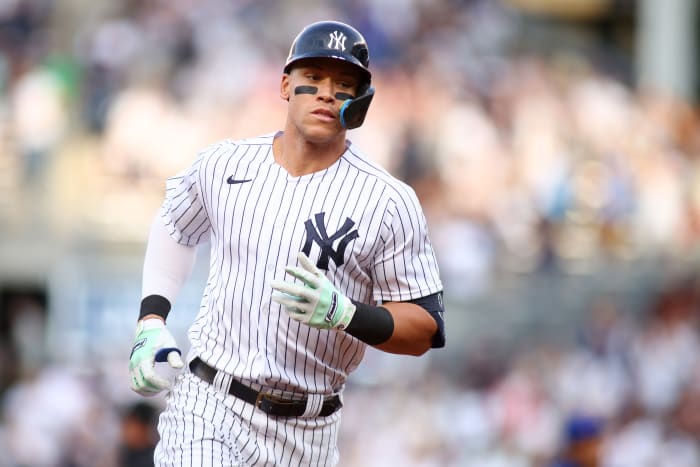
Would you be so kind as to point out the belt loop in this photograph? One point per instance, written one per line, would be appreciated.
(314, 404)
(222, 382)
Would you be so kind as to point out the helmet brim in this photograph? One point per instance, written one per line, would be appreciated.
(365, 75)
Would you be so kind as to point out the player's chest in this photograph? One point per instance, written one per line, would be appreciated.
(326, 222)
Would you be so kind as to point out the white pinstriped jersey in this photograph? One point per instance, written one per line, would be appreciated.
(361, 225)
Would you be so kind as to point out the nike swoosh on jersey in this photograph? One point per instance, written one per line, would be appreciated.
(232, 181)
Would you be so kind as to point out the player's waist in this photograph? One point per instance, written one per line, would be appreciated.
(273, 380)
(308, 405)
(313, 371)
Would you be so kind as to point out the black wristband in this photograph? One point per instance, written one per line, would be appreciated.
(371, 324)
(155, 305)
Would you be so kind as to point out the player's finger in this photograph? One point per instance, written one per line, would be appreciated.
(298, 292)
(307, 264)
(144, 389)
(153, 379)
(286, 301)
(175, 361)
(308, 278)
(141, 386)
(136, 382)
(301, 317)
(163, 354)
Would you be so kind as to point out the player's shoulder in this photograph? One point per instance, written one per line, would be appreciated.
(366, 166)
(261, 140)
(230, 147)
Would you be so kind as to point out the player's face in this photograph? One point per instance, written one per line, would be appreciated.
(316, 89)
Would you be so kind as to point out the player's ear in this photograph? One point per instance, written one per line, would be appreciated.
(284, 87)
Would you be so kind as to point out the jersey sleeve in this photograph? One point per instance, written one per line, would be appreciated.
(405, 267)
(183, 211)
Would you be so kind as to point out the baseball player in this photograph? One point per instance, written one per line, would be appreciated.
(316, 253)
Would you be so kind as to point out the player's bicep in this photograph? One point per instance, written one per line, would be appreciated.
(405, 267)
(435, 307)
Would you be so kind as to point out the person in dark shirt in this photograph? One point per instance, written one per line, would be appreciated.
(138, 435)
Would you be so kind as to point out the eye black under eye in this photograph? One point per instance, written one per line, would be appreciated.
(341, 96)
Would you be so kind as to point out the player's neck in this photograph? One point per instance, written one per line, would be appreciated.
(300, 157)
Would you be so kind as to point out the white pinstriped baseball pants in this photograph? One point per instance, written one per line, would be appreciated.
(203, 427)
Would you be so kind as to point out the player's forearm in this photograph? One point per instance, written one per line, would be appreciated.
(166, 267)
(413, 329)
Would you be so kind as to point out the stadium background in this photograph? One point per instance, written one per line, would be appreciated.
(554, 145)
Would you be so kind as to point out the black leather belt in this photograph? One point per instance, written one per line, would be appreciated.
(268, 403)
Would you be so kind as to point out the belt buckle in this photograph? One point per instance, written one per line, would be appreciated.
(263, 396)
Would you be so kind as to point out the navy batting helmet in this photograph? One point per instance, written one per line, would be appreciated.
(331, 39)
(340, 41)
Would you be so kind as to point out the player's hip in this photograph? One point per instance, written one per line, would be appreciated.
(201, 420)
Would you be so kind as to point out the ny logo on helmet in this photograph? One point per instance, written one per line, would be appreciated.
(337, 41)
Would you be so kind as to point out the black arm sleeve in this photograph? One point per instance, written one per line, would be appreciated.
(434, 305)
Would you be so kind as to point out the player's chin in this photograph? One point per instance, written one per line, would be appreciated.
(321, 133)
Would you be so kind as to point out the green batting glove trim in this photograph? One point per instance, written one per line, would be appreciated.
(333, 310)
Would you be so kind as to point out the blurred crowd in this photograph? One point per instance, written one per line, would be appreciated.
(526, 162)
(624, 393)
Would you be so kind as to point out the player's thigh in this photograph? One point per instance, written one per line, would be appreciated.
(195, 428)
(308, 442)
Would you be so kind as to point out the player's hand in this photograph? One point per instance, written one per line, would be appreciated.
(317, 302)
(153, 343)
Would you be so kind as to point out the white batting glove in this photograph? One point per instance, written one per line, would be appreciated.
(153, 343)
(317, 302)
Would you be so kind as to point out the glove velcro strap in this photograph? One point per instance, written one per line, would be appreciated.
(371, 324)
(155, 305)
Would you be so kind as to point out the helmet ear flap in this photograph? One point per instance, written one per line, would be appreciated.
(353, 111)
(363, 89)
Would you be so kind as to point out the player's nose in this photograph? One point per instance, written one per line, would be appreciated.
(325, 89)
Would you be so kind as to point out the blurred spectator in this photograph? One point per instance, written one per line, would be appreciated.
(667, 351)
(138, 435)
(40, 113)
(56, 418)
(22, 333)
(583, 440)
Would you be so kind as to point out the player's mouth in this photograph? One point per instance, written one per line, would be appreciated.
(324, 115)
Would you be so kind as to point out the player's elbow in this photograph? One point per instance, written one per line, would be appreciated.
(418, 350)
(421, 348)
(414, 347)
(422, 341)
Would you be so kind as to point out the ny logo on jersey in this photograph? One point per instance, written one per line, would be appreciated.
(337, 41)
(317, 233)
